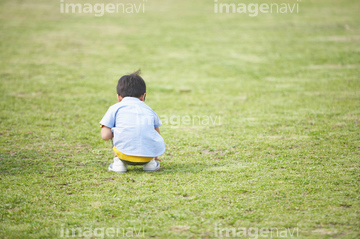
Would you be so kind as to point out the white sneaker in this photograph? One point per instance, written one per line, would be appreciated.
(152, 166)
(118, 166)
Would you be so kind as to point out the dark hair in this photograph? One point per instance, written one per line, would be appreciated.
(131, 85)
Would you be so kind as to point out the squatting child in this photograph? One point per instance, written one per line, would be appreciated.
(133, 127)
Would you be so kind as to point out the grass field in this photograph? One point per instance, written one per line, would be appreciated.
(282, 159)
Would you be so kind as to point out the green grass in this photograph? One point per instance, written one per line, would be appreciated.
(286, 86)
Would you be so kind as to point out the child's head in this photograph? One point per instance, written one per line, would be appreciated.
(131, 85)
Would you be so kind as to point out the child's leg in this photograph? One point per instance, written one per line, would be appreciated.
(117, 166)
(112, 146)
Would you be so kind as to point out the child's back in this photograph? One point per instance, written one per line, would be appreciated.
(133, 126)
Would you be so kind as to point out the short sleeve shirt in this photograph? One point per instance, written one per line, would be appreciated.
(133, 125)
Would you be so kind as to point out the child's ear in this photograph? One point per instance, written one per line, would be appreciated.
(119, 98)
(142, 97)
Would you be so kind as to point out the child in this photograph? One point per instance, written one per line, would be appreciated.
(133, 127)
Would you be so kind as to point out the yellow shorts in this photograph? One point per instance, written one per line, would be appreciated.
(132, 160)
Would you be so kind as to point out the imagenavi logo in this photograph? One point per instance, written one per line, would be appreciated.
(253, 9)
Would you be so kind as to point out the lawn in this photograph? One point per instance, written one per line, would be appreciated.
(260, 118)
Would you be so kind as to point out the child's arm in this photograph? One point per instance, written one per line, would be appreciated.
(106, 133)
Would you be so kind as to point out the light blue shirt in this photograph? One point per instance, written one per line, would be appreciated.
(133, 125)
